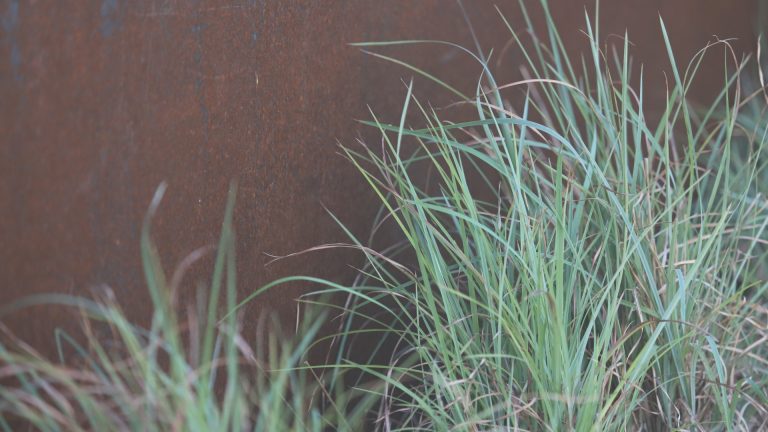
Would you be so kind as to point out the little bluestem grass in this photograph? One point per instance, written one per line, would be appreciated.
(567, 259)
(571, 263)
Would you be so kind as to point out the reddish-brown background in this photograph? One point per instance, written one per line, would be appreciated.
(101, 100)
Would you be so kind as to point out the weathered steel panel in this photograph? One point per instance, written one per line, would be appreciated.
(101, 100)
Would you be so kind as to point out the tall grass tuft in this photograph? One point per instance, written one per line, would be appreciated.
(571, 263)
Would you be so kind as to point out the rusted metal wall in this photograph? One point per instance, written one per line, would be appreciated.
(101, 100)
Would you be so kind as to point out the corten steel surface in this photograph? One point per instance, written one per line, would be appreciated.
(100, 101)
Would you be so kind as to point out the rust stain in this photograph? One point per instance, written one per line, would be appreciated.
(101, 101)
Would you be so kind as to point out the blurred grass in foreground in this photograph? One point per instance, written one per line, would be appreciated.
(192, 373)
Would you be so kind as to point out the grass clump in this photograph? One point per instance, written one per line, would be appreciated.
(571, 263)
(570, 260)
(193, 373)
